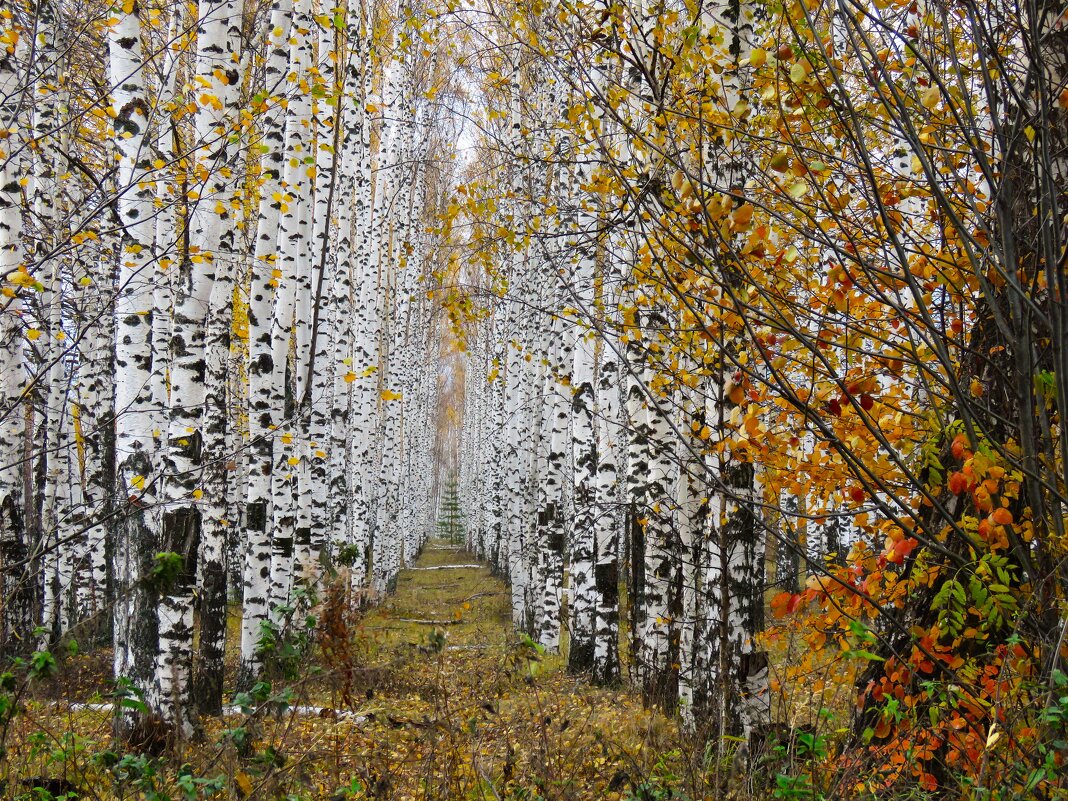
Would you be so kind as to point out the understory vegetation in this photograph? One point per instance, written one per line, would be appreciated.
(357, 704)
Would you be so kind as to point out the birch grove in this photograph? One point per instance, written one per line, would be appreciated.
(695, 323)
(142, 498)
(672, 354)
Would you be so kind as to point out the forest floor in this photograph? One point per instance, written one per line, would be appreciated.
(428, 695)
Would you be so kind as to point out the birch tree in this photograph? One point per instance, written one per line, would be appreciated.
(265, 415)
(135, 623)
(200, 351)
(14, 548)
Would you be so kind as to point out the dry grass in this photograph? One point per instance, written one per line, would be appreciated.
(458, 711)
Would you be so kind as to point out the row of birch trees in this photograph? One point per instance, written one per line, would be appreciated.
(599, 466)
(218, 364)
(765, 323)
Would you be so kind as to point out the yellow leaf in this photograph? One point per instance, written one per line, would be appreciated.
(198, 494)
(390, 395)
(743, 215)
(138, 482)
(350, 377)
(287, 439)
(993, 737)
(293, 460)
(32, 334)
(21, 278)
(244, 783)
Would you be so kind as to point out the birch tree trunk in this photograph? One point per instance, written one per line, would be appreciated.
(95, 397)
(659, 542)
(330, 281)
(14, 548)
(742, 671)
(606, 568)
(292, 253)
(355, 152)
(135, 623)
(265, 414)
(200, 346)
(552, 521)
(581, 543)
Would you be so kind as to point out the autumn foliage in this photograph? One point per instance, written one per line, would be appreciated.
(849, 220)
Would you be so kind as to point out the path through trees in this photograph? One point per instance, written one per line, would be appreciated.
(403, 705)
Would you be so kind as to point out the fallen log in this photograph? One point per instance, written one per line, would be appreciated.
(449, 567)
(231, 710)
(422, 622)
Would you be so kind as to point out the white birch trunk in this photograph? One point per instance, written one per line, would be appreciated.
(265, 413)
(135, 621)
(200, 343)
(293, 296)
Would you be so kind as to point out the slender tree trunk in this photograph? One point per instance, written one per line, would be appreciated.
(606, 569)
(137, 537)
(265, 411)
(292, 261)
(552, 522)
(199, 345)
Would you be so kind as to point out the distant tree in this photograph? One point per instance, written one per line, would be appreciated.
(450, 516)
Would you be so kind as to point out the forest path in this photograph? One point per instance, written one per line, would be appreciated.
(447, 589)
(456, 706)
(427, 696)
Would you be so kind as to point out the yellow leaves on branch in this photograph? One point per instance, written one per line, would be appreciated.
(22, 278)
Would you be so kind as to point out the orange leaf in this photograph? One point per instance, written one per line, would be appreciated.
(780, 604)
(882, 728)
(1003, 517)
(958, 483)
